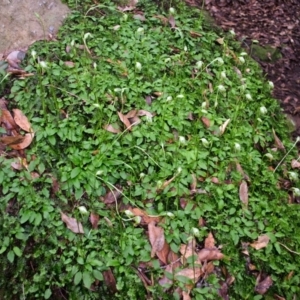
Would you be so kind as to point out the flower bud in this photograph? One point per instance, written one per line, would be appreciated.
(138, 66)
(179, 170)
(172, 11)
(195, 232)
(263, 110)
(137, 219)
(128, 213)
(269, 156)
(223, 74)
(43, 64)
(232, 31)
(296, 192)
(205, 142)
(33, 54)
(83, 210)
(241, 59)
(271, 84)
(170, 215)
(182, 140)
(237, 147)
(248, 96)
(140, 31)
(199, 64)
(169, 98)
(220, 61)
(221, 88)
(293, 176)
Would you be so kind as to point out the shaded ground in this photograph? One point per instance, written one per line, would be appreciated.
(274, 24)
(24, 22)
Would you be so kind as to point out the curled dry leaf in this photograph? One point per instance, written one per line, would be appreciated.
(21, 120)
(209, 241)
(278, 142)
(261, 242)
(210, 254)
(112, 196)
(205, 121)
(72, 223)
(156, 237)
(191, 273)
(243, 193)
(124, 120)
(7, 120)
(223, 126)
(22, 144)
(94, 219)
(295, 164)
(112, 129)
(172, 21)
(263, 286)
(110, 280)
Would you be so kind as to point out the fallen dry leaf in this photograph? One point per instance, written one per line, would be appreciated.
(186, 295)
(112, 129)
(210, 254)
(188, 251)
(172, 21)
(124, 120)
(26, 141)
(243, 193)
(278, 142)
(223, 126)
(72, 223)
(156, 237)
(261, 242)
(263, 286)
(110, 280)
(7, 120)
(295, 164)
(205, 121)
(112, 196)
(94, 219)
(209, 241)
(191, 273)
(21, 120)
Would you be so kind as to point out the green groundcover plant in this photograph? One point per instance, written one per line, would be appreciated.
(152, 107)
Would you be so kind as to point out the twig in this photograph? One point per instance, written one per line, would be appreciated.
(287, 248)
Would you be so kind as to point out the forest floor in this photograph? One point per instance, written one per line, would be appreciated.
(272, 26)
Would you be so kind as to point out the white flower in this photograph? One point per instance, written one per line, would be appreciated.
(180, 96)
(269, 156)
(237, 147)
(185, 48)
(195, 231)
(169, 98)
(100, 172)
(221, 88)
(33, 54)
(243, 54)
(296, 191)
(168, 59)
(293, 176)
(172, 10)
(199, 64)
(182, 140)
(142, 175)
(137, 219)
(170, 215)
(159, 184)
(220, 60)
(138, 66)
(271, 84)
(72, 43)
(43, 64)
(140, 31)
(128, 213)
(83, 210)
(248, 96)
(205, 142)
(204, 104)
(179, 170)
(95, 65)
(232, 31)
(263, 110)
(241, 59)
(223, 74)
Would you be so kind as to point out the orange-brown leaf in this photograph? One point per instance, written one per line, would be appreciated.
(205, 121)
(72, 223)
(146, 219)
(7, 119)
(243, 193)
(111, 129)
(94, 219)
(278, 142)
(261, 242)
(295, 164)
(110, 280)
(156, 237)
(210, 254)
(22, 120)
(209, 241)
(124, 120)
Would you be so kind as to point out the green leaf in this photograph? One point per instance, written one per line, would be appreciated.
(75, 172)
(47, 294)
(77, 278)
(11, 256)
(98, 275)
(17, 251)
(87, 279)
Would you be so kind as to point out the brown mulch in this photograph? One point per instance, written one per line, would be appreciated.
(270, 22)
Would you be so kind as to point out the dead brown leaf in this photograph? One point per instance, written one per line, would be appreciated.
(172, 21)
(7, 120)
(261, 242)
(156, 237)
(21, 120)
(124, 120)
(188, 251)
(110, 280)
(210, 254)
(263, 286)
(209, 241)
(295, 164)
(72, 223)
(191, 273)
(278, 142)
(94, 219)
(205, 121)
(243, 193)
(222, 128)
(112, 129)
(112, 196)
(69, 64)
